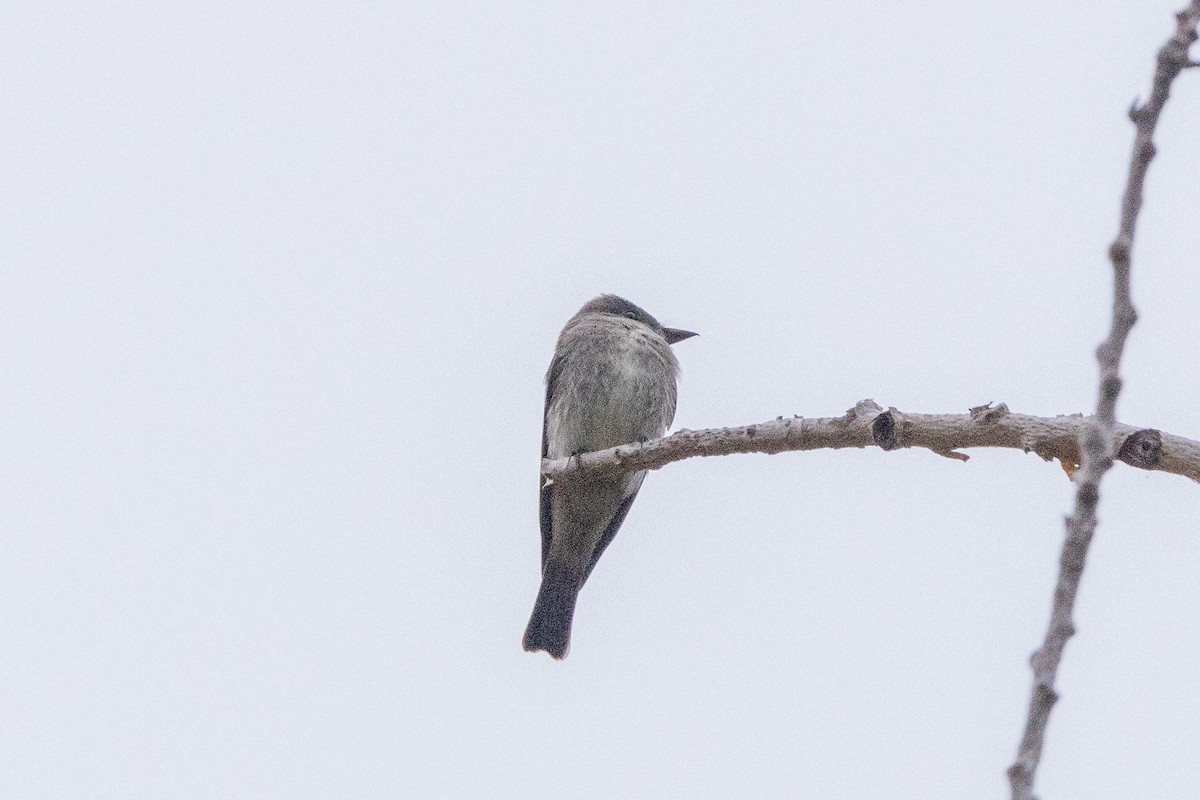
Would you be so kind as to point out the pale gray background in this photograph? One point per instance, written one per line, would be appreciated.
(279, 287)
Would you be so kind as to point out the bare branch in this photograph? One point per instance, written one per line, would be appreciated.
(868, 425)
(1098, 440)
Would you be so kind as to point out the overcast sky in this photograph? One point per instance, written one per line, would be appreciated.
(280, 284)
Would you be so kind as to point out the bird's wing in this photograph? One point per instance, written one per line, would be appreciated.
(547, 521)
(614, 525)
(547, 490)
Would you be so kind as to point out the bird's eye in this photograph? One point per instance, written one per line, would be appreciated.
(631, 314)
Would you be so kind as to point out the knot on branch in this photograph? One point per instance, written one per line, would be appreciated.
(988, 413)
(863, 409)
(1046, 696)
(1142, 449)
(1118, 252)
(883, 430)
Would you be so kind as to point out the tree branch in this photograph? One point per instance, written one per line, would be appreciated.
(868, 425)
(1098, 441)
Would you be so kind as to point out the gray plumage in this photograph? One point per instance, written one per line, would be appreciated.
(611, 382)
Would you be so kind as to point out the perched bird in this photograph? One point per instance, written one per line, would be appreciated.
(611, 382)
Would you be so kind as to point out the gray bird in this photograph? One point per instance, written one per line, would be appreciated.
(612, 382)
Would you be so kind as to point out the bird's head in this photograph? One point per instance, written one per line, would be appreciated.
(620, 307)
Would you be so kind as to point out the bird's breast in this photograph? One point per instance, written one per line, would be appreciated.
(620, 388)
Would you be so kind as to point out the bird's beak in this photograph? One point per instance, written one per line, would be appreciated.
(673, 335)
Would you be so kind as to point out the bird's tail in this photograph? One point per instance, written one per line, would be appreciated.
(550, 626)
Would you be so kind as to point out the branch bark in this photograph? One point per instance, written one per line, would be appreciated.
(1085, 446)
(868, 425)
(1098, 441)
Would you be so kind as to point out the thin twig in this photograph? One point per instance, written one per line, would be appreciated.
(1098, 450)
(868, 425)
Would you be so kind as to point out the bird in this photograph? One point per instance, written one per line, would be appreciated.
(612, 381)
